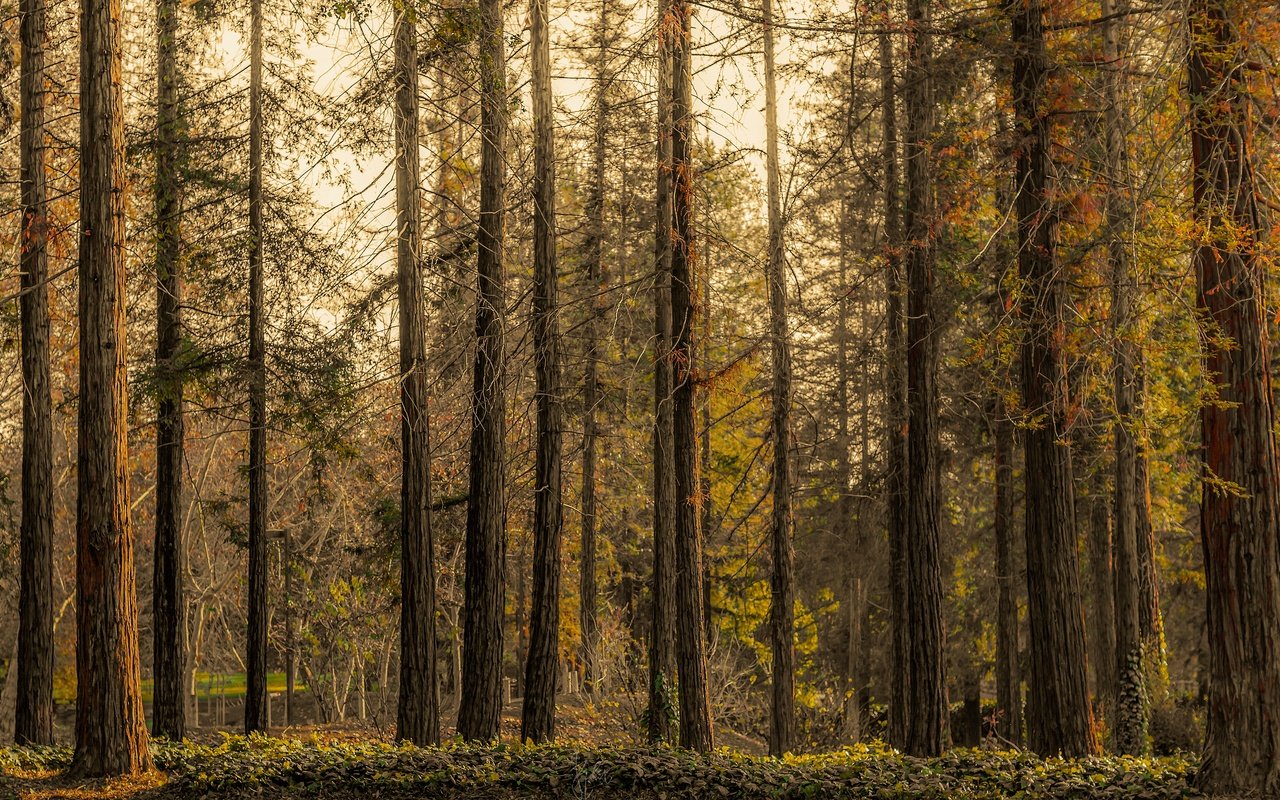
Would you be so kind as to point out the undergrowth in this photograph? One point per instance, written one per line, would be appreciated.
(266, 767)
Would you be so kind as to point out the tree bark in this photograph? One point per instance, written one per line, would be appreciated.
(782, 712)
(417, 709)
(1008, 654)
(111, 731)
(1241, 488)
(1150, 618)
(844, 500)
(704, 448)
(255, 701)
(695, 712)
(1102, 583)
(33, 715)
(662, 667)
(481, 705)
(168, 605)
(1060, 719)
(1129, 723)
(924, 667)
(1008, 672)
(591, 380)
(539, 721)
(895, 393)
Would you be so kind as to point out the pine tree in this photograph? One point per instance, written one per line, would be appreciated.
(538, 721)
(111, 731)
(417, 711)
(1060, 720)
(481, 707)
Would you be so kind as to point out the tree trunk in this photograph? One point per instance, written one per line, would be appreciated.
(844, 501)
(1008, 657)
(695, 712)
(704, 450)
(417, 709)
(662, 704)
(481, 704)
(168, 606)
(1129, 718)
(1008, 649)
(1102, 583)
(1238, 510)
(1150, 619)
(591, 381)
(33, 717)
(255, 700)
(782, 713)
(895, 394)
(539, 718)
(1060, 719)
(924, 667)
(111, 731)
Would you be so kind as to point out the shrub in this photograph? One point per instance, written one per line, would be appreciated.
(1177, 726)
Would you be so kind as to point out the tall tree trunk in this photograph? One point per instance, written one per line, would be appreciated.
(481, 706)
(895, 393)
(662, 703)
(255, 700)
(1238, 509)
(539, 719)
(704, 447)
(111, 731)
(782, 713)
(844, 484)
(1129, 723)
(33, 718)
(1008, 649)
(691, 662)
(168, 606)
(1102, 585)
(591, 381)
(926, 731)
(1060, 719)
(417, 709)
(1008, 657)
(1150, 618)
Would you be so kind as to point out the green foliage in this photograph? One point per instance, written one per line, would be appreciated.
(261, 766)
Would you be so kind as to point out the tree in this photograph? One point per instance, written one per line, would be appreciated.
(1130, 716)
(1240, 498)
(1150, 617)
(591, 380)
(1059, 718)
(255, 701)
(691, 654)
(481, 706)
(33, 717)
(538, 722)
(417, 711)
(1008, 672)
(662, 666)
(168, 604)
(111, 731)
(782, 716)
(896, 390)
(1102, 585)
(1008, 656)
(924, 668)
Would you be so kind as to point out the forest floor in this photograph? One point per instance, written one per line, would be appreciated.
(338, 765)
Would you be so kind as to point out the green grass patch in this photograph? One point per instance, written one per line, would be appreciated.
(265, 767)
(231, 684)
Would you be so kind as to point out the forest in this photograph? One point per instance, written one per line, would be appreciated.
(653, 398)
